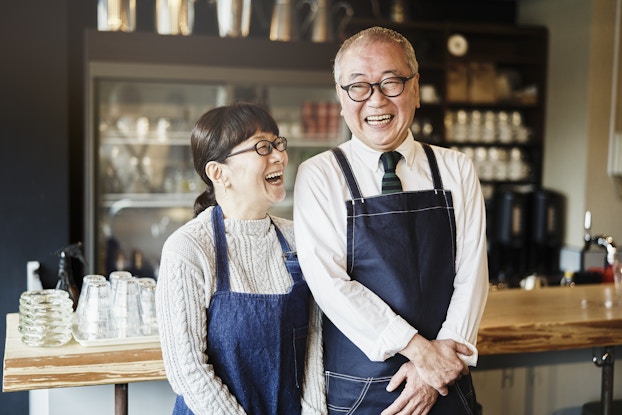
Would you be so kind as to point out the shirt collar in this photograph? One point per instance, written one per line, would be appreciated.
(371, 158)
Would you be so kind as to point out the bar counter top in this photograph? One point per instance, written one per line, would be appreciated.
(514, 321)
(552, 318)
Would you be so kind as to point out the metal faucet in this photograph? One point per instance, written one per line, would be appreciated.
(604, 241)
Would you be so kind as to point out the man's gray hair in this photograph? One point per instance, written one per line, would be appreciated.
(371, 35)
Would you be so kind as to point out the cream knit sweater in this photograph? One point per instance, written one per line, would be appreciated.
(186, 283)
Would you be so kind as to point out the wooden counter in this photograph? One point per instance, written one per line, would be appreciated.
(515, 321)
(553, 318)
(27, 368)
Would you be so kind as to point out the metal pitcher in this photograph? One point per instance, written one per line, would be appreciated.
(116, 15)
(234, 17)
(284, 25)
(398, 10)
(174, 17)
(324, 28)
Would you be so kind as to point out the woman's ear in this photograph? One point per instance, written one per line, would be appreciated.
(215, 172)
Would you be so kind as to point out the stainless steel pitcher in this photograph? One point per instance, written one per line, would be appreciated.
(284, 25)
(174, 17)
(324, 28)
(234, 17)
(116, 15)
(398, 12)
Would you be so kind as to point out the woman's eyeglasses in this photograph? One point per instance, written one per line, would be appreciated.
(264, 147)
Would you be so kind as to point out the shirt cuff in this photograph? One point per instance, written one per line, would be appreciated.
(444, 334)
(394, 338)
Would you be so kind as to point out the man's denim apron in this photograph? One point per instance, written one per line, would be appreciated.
(257, 342)
(402, 246)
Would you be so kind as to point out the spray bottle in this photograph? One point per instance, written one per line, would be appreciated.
(66, 282)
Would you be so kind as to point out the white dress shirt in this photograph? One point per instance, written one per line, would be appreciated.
(320, 223)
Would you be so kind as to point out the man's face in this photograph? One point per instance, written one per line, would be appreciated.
(380, 122)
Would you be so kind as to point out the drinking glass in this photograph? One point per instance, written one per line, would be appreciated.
(93, 316)
(85, 282)
(115, 276)
(125, 308)
(148, 317)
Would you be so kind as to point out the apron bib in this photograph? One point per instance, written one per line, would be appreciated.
(402, 246)
(257, 342)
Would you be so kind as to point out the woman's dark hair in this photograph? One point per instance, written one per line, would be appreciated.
(217, 132)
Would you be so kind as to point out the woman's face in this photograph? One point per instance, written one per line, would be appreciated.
(256, 182)
(380, 122)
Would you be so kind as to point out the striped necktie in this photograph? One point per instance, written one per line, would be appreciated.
(390, 182)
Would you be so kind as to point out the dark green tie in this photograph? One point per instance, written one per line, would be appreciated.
(390, 182)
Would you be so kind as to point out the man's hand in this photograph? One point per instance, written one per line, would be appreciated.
(417, 398)
(437, 361)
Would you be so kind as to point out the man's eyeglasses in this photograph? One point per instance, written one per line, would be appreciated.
(389, 87)
(264, 147)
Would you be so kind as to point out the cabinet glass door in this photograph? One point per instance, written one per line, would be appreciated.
(144, 179)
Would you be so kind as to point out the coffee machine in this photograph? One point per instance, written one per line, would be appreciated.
(547, 231)
(525, 234)
(507, 236)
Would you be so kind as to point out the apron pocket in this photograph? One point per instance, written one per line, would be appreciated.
(349, 395)
(300, 353)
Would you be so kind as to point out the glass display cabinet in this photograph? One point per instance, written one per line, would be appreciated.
(140, 181)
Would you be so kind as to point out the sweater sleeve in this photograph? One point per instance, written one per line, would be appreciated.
(181, 306)
(314, 393)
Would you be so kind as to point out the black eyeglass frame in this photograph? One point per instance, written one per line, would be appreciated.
(403, 79)
(271, 145)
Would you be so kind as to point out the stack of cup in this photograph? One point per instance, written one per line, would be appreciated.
(93, 312)
(122, 306)
(45, 317)
(116, 276)
(125, 308)
(148, 318)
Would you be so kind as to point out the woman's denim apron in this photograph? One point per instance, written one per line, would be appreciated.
(257, 342)
(402, 246)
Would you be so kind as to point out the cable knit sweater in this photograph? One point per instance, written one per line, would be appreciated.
(186, 283)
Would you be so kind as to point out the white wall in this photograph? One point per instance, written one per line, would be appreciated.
(578, 109)
(152, 398)
(575, 163)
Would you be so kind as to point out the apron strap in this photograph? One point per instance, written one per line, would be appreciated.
(355, 191)
(220, 250)
(436, 176)
(353, 186)
(290, 257)
(222, 261)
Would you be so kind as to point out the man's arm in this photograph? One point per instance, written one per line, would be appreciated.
(320, 226)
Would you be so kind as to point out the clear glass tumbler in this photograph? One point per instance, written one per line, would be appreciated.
(125, 308)
(93, 315)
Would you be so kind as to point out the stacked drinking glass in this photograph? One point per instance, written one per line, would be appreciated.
(45, 317)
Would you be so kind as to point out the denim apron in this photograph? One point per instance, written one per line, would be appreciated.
(257, 342)
(402, 246)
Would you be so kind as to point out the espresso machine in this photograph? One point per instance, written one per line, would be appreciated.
(546, 233)
(525, 235)
(507, 234)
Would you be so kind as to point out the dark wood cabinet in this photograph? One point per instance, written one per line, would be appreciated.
(483, 92)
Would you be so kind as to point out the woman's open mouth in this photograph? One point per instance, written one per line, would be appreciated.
(275, 177)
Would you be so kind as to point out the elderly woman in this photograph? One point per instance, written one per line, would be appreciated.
(234, 309)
